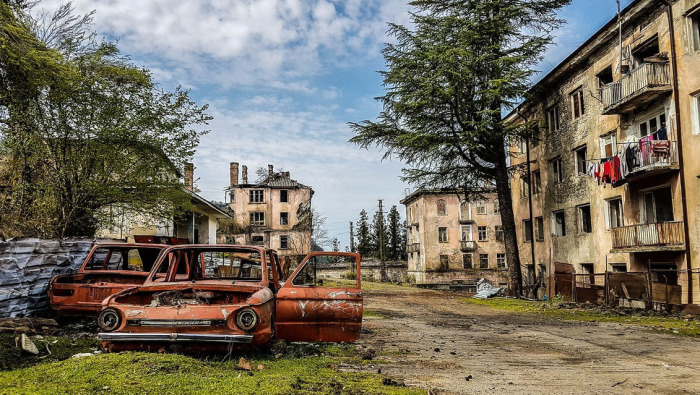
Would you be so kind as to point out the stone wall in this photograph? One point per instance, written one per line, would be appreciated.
(27, 265)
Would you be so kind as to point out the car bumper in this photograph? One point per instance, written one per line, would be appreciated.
(174, 337)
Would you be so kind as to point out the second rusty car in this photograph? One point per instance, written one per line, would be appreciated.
(233, 295)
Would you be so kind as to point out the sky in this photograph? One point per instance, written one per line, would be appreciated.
(282, 79)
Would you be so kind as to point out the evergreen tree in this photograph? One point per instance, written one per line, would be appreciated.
(364, 239)
(448, 82)
(379, 235)
(394, 231)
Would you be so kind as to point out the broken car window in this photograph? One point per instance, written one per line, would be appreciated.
(326, 271)
(232, 264)
(116, 258)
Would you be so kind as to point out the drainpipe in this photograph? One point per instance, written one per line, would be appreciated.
(529, 200)
(677, 107)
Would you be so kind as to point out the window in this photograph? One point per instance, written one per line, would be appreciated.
(580, 154)
(284, 218)
(466, 233)
(481, 207)
(657, 206)
(524, 187)
(652, 124)
(496, 209)
(645, 50)
(527, 230)
(501, 260)
(522, 143)
(284, 242)
(539, 223)
(465, 211)
(536, 182)
(605, 77)
(442, 235)
(483, 233)
(619, 267)
(444, 262)
(608, 145)
(257, 218)
(441, 207)
(614, 217)
(584, 219)
(559, 224)
(577, 103)
(695, 113)
(587, 268)
(284, 196)
(557, 176)
(499, 233)
(694, 25)
(257, 240)
(553, 119)
(468, 261)
(484, 261)
(256, 196)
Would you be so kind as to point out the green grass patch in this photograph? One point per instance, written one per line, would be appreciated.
(671, 324)
(60, 348)
(373, 313)
(366, 285)
(150, 373)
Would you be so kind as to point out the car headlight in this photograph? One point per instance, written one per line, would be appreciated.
(246, 319)
(109, 320)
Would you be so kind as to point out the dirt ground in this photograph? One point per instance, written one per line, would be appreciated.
(434, 341)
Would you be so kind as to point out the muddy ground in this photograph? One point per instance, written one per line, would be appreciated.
(436, 341)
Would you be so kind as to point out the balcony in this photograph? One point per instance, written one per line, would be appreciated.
(640, 86)
(654, 163)
(660, 236)
(467, 245)
(414, 247)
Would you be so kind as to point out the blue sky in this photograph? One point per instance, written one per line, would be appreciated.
(282, 79)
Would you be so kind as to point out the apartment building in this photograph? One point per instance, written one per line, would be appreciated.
(273, 213)
(612, 184)
(450, 239)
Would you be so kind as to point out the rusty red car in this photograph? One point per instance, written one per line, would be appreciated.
(107, 269)
(231, 295)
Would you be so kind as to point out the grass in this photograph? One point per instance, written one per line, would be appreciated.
(366, 285)
(149, 373)
(373, 313)
(61, 348)
(551, 309)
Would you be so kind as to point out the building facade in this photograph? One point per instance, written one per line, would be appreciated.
(274, 213)
(612, 183)
(450, 239)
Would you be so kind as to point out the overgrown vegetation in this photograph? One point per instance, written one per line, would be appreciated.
(51, 349)
(673, 323)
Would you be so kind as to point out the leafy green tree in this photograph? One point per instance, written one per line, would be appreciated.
(84, 131)
(364, 238)
(449, 78)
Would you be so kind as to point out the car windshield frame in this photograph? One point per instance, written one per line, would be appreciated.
(127, 246)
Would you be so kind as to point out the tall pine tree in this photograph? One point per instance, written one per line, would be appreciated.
(395, 244)
(364, 239)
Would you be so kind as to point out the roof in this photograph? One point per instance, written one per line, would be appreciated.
(279, 180)
(440, 191)
(207, 205)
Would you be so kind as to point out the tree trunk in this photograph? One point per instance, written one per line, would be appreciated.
(510, 237)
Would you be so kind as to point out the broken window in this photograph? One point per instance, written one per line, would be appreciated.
(468, 261)
(256, 196)
(536, 182)
(584, 221)
(284, 196)
(496, 208)
(140, 259)
(309, 275)
(527, 230)
(239, 265)
(619, 267)
(481, 207)
(284, 218)
(657, 206)
(580, 155)
(441, 207)
(647, 49)
(483, 261)
(257, 240)
(257, 218)
(444, 262)
(539, 222)
(605, 77)
(442, 234)
(466, 233)
(615, 218)
(559, 223)
(284, 242)
(577, 103)
(608, 145)
(483, 233)
(501, 260)
(524, 187)
(499, 233)
(557, 176)
(553, 119)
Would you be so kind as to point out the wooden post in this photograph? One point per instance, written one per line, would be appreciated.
(607, 286)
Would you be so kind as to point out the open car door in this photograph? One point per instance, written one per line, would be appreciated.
(317, 304)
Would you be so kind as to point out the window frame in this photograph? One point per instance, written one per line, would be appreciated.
(441, 206)
(657, 118)
(442, 230)
(553, 119)
(580, 155)
(471, 260)
(557, 173)
(444, 266)
(539, 227)
(462, 233)
(527, 231)
(284, 242)
(693, 18)
(284, 218)
(695, 112)
(578, 106)
(524, 187)
(256, 222)
(501, 261)
(253, 196)
(285, 193)
(481, 261)
(555, 232)
(581, 220)
(536, 182)
(609, 138)
(485, 229)
(481, 206)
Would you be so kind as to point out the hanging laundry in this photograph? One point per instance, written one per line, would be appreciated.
(661, 149)
(661, 134)
(645, 148)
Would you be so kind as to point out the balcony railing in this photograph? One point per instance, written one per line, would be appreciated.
(642, 83)
(414, 247)
(467, 245)
(658, 236)
(656, 155)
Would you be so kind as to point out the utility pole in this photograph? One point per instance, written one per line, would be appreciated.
(352, 238)
(382, 264)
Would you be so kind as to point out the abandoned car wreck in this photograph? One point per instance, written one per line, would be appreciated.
(232, 295)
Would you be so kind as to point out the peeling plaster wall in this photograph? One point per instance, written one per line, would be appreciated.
(27, 265)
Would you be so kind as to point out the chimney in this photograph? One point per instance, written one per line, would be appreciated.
(270, 172)
(245, 174)
(286, 174)
(234, 174)
(189, 176)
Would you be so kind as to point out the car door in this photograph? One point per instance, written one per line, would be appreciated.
(321, 301)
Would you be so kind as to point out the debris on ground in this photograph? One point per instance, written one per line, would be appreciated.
(85, 354)
(27, 325)
(367, 354)
(27, 345)
(485, 290)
